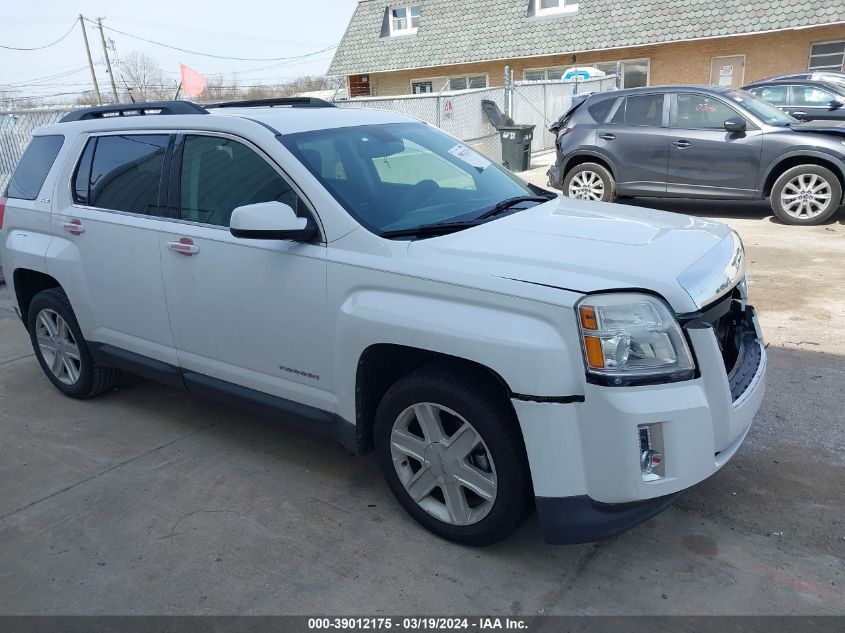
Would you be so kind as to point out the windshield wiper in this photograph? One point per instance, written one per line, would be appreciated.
(443, 228)
(504, 205)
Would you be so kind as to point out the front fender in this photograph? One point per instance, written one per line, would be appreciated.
(775, 164)
(524, 342)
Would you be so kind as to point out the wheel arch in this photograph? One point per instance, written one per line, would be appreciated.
(28, 283)
(583, 157)
(793, 160)
(381, 365)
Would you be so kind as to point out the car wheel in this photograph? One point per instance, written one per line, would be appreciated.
(806, 194)
(61, 349)
(590, 181)
(452, 453)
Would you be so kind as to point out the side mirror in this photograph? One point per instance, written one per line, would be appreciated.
(835, 104)
(270, 221)
(736, 124)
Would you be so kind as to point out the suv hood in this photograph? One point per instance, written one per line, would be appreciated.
(591, 246)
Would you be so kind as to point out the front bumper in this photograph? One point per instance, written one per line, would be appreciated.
(584, 457)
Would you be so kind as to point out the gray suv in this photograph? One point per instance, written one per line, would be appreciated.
(699, 142)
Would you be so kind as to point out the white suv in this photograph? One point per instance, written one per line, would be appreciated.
(371, 278)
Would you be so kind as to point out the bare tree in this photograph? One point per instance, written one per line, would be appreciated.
(143, 78)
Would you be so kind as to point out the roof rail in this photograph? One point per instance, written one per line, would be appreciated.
(280, 102)
(134, 109)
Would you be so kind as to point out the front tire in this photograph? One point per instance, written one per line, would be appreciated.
(452, 453)
(590, 181)
(61, 349)
(806, 195)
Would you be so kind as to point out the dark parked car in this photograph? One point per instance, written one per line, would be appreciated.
(829, 76)
(699, 142)
(805, 100)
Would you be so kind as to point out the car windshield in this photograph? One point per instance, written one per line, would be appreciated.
(763, 110)
(397, 176)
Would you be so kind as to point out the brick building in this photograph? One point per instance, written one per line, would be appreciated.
(417, 46)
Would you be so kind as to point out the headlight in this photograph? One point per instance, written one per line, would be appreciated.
(632, 338)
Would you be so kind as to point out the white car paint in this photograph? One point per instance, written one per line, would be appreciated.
(501, 294)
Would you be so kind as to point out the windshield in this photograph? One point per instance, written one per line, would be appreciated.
(397, 176)
(763, 110)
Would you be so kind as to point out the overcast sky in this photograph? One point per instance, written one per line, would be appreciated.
(264, 32)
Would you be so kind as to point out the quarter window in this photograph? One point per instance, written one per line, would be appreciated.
(33, 167)
(219, 175)
(827, 56)
(699, 112)
(125, 173)
(405, 20)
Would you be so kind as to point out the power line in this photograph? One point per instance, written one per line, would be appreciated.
(212, 55)
(38, 48)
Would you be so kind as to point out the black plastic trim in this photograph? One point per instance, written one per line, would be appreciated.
(548, 399)
(111, 356)
(155, 108)
(580, 519)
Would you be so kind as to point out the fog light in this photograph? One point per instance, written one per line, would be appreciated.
(651, 451)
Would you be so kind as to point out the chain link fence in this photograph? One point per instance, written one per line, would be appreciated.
(459, 113)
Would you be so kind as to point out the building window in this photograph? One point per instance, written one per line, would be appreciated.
(405, 20)
(633, 73)
(554, 7)
(421, 87)
(827, 56)
(466, 82)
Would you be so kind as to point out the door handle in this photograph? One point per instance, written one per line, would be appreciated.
(799, 113)
(184, 246)
(681, 144)
(607, 137)
(74, 226)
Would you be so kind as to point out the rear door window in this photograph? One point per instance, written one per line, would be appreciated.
(35, 164)
(776, 95)
(125, 173)
(644, 110)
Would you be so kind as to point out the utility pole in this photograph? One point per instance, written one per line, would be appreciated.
(90, 62)
(108, 61)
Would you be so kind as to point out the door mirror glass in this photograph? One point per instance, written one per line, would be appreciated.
(735, 124)
(835, 104)
(269, 221)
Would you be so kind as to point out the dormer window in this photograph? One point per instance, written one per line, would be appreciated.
(405, 20)
(555, 7)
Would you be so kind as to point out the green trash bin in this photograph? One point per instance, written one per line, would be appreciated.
(516, 146)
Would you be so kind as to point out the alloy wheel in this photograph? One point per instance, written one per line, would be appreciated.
(443, 464)
(58, 346)
(806, 196)
(586, 185)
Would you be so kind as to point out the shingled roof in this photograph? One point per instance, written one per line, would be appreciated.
(453, 32)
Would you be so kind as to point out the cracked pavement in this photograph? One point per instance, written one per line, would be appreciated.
(150, 501)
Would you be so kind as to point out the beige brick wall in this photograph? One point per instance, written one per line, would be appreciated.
(687, 62)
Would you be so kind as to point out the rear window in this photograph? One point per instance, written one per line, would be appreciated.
(33, 167)
(122, 173)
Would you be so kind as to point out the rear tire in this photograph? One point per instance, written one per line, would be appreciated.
(590, 181)
(61, 349)
(469, 481)
(806, 195)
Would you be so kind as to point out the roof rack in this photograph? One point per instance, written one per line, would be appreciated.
(134, 109)
(280, 102)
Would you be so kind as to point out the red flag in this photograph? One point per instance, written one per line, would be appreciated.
(192, 82)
